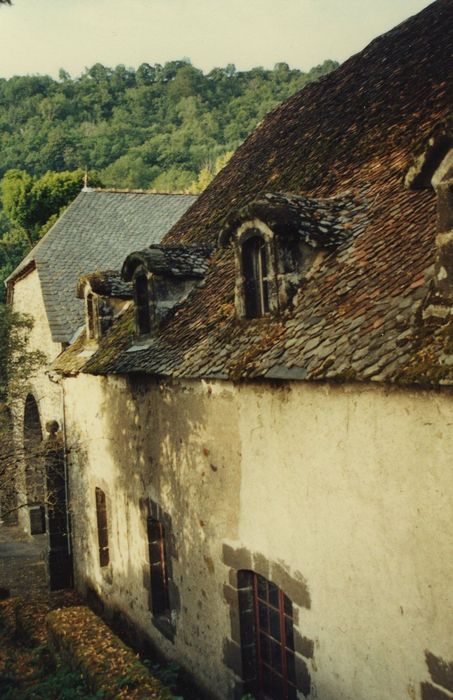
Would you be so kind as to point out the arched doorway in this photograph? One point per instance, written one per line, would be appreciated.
(34, 467)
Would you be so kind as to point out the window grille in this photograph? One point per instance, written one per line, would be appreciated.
(267, 639)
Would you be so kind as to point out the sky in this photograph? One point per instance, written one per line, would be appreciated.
(42, 36)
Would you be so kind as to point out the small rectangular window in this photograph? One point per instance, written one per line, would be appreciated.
(103, 535)
(160, 603)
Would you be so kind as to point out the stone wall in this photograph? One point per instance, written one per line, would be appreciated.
(28, 299)
(341, 495)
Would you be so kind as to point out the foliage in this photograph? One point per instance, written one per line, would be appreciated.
(30, 202)
(83, 640)
(27, 669)
(166, 127)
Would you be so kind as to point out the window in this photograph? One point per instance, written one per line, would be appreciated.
(267, 639)
(255, 272)
(160, 603)
(142, 309)
(103, 535)
(92, 316)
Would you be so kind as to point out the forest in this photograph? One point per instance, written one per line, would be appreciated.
(167, 128)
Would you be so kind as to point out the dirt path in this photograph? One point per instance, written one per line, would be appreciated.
(22, 563)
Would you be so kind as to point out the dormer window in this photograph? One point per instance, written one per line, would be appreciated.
(255, 273)
(142, 303)
(92, 313)
(279, 240)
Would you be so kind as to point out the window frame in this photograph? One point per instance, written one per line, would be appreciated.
(102, 527)
(159, 570)
(267, 638)
(265, 265)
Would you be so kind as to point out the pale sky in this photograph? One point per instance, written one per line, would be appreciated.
(41, 36)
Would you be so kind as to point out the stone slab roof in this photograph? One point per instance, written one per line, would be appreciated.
(356, 131)
(96, 232)
(170, 260)
(106, 283)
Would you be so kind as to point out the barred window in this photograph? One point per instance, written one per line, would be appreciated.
(267, 639)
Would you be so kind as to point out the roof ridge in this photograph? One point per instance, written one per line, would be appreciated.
(119, 190)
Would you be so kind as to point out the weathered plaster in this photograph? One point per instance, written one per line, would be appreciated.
(340, 494)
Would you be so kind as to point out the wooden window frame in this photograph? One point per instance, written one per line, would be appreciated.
(102, 524)
(255, 270)
(267, 639)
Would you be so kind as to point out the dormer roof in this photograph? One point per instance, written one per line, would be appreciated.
(180, 261)
(321, 222)
(105, 283)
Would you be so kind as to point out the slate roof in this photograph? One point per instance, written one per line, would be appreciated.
(95, 232)
(355, 132)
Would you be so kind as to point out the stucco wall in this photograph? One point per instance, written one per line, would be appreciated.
(27, 299)
(344, 492)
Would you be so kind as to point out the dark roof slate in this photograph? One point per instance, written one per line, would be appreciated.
(358, 317)
(95, 232)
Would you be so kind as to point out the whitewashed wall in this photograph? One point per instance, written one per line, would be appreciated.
(346, 491)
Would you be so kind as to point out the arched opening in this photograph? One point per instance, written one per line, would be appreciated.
(255, 271)
(34, 469)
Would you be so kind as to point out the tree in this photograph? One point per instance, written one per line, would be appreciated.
(17, 364)
(30, 202)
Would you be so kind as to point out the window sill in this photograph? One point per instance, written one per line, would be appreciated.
(165, 626)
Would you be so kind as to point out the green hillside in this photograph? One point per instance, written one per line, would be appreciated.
(167, 127)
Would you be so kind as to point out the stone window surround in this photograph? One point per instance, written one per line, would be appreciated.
(236, 559)
(246, 231)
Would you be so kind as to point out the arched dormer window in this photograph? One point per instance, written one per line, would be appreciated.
(255, 272)
(142, 305)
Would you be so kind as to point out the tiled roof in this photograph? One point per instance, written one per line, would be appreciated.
(95, 232)
(358, 317)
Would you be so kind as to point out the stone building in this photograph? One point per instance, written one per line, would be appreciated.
(96, 231)
(261, 475)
